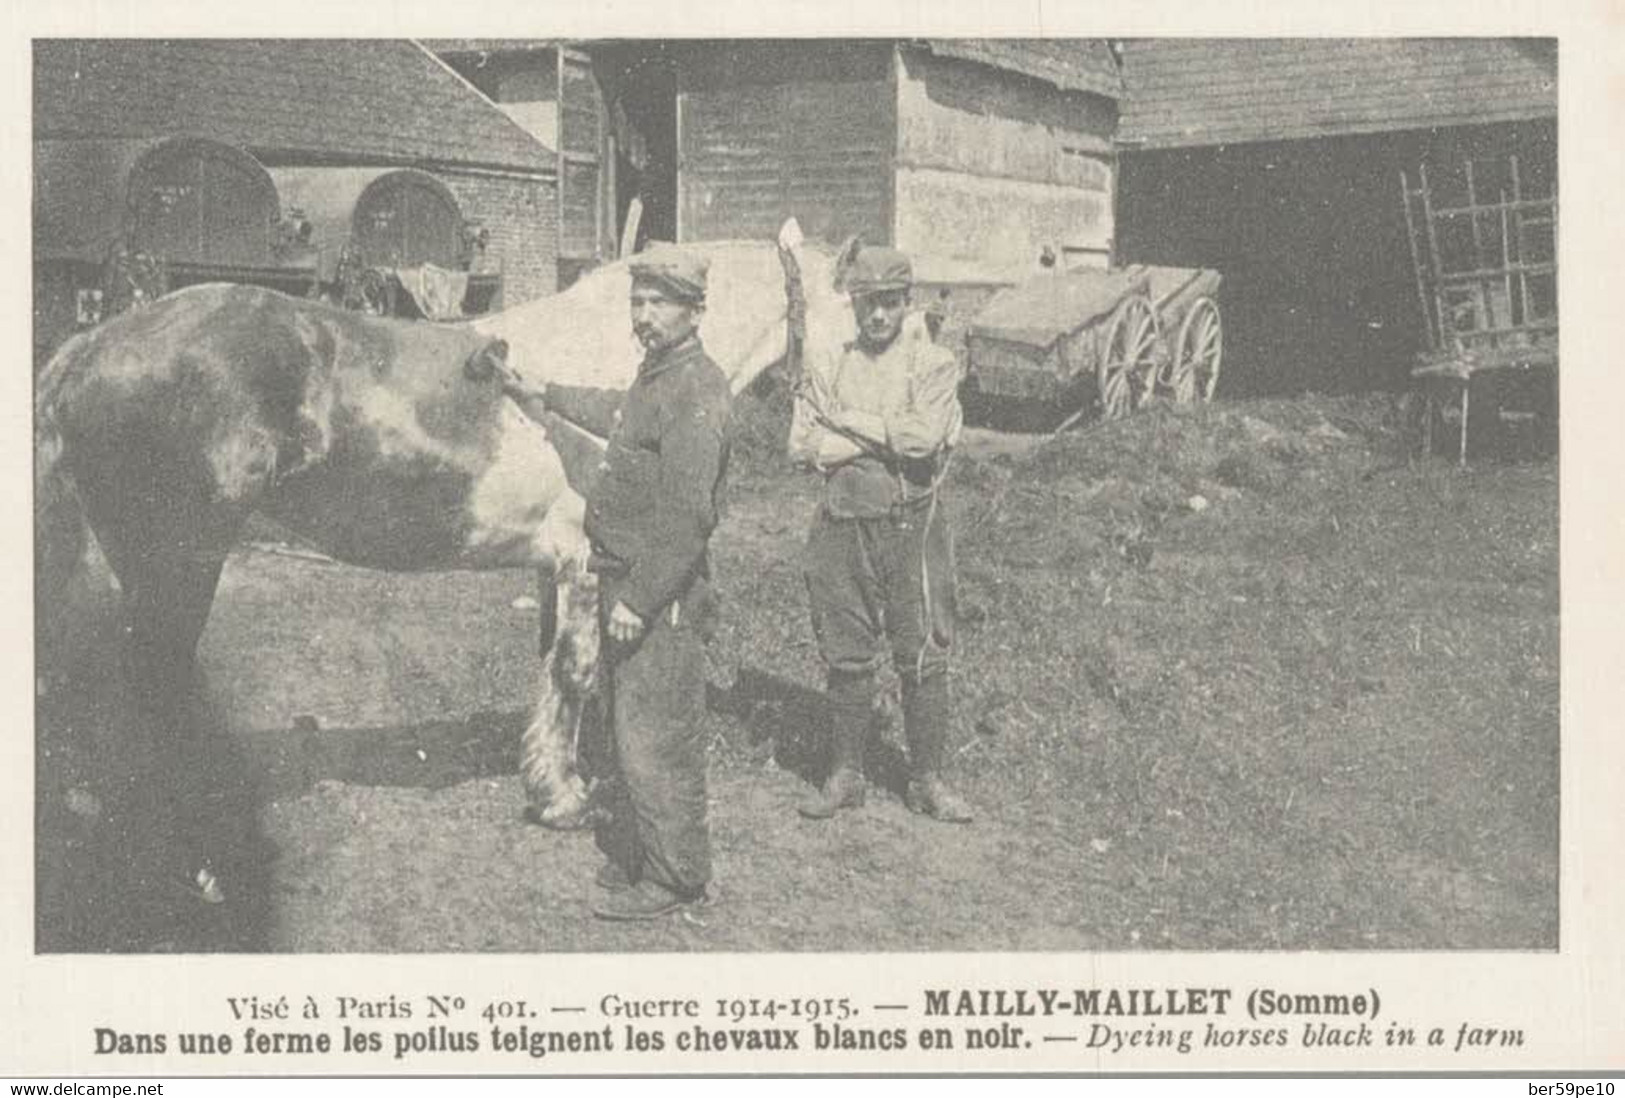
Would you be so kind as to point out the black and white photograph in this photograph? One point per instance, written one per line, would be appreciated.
(1189, 600)
(801, 494)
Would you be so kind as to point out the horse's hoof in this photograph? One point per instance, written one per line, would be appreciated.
(204, 886)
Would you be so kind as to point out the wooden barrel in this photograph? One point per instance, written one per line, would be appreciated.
(113, 216)
(407, 218)
(196, 202)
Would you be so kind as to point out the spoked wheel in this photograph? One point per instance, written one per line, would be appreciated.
(1128, 365)
(1198, 351)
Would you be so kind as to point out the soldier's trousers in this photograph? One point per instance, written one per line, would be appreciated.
(879, 583)
(889, 578)
(655, 691)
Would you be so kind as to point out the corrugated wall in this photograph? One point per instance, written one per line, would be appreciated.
(993, 166)
(774, 129)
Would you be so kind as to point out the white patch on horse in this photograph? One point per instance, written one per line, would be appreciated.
(393, 418)
(243, 461)
(316, 409)
(517, 492)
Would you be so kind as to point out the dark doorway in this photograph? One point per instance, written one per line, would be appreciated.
(640, 92)
(1319, 287)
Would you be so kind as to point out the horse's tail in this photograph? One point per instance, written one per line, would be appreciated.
(61, 532)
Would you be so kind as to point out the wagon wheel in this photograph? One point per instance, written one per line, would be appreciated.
(1198, 351)
(1128, 362)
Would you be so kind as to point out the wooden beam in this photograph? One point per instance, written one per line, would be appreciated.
(1519, 224)
(563, 164)
(1445, 331)
(1472, 203)
(1416, 263)
(894, 91)
(1490, 207)
(677, 109)
(598, 180)
(1490, 274)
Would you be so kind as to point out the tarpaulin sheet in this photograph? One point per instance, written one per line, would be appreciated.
(437, 292)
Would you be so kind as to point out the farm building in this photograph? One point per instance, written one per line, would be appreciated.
(279, 162)
(1278, 162)
(521, 163)
(528, 80)
(975, 156)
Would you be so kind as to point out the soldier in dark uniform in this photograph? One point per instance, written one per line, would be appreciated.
(651, 507)
(877, 418)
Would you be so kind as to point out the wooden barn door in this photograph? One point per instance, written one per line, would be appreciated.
(405, 219)
(200, 203)
(770, 130)
(582, 228)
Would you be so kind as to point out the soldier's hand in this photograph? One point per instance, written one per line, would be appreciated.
(624, 623)
(834, 449)
(532, 399)
(518, 388)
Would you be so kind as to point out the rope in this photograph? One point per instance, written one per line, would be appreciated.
(928, 618)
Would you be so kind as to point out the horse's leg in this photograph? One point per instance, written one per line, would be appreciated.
(167, 806)
(168, 552)
(568, 678)
(166, 607)
(167, 549)
(547, 598)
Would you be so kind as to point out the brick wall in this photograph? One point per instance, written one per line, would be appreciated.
(521, 216)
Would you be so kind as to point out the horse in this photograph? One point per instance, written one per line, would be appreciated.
(382, 443)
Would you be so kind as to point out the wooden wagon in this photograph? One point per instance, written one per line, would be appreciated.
(1483, 240)
(1109, 337)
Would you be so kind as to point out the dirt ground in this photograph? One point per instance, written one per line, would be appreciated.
(1245, 676)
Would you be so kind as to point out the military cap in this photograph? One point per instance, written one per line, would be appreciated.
(679, 273)
(877, 269)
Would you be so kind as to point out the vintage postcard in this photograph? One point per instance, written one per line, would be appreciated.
(577, 542)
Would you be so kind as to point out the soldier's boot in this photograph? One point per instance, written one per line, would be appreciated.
(851, 704)
(642, 901)
(925, 726)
